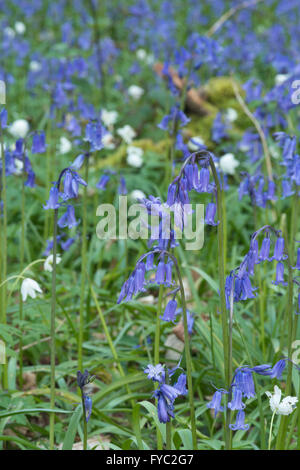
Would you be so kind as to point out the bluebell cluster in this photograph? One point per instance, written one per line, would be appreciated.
(166, 394)
(238, 283)
(20, 153)
(242, 387)
(137, 282)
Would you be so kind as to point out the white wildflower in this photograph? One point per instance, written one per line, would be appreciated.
(35, 66)
(127, 133)
(194, 142)
(109, 118)
(19, 128)
(135, 92)
(228, 163)
(64, 145)
(231, 115)
(29, 287)
(134, 156)
(108, 141)
(20, 27)
(281, 407)
(281, 78)
(141, 54)
(137, 194)
(48, 265)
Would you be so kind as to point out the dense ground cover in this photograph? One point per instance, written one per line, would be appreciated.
(123, 342)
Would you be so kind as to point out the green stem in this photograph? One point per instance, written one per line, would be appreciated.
(22, 241)
(48, 173)
(187, 355)
(110, 341)
(259, 400)
(52, 332)
(157, 329)
(292, 321)
(4, 249)
(156, 351)
(83, 266)
(84, 423)
(168, 424)
(221, 259)
(271, 429)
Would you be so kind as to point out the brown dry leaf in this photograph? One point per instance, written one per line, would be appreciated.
(194, 100)
(178, 330)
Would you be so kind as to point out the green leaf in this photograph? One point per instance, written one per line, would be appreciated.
(186, 438)
(72, 429)
(4, 414)
(153, 412)
(136, 426)
(12, 373)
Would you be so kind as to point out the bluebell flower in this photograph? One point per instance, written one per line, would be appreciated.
(74, 127)
(265, 249)
(94, 133)
(181, 146)
(30, 182)
(150, 262)
(172, 190)
(181, 385)
(219, 129)
(122, 186)
(30, 173)
(102, 183)
(168, 271)
(279, 275)
(210, 214)
(83, 380)
(3, 118)
(271, 191)
(287, 189)
(160, 273)
(262, 369)
(67, 243)
(204, 176)
(49, 245)
(240, 422)
(279, 250)
(237, 403)
(169, 392)
(19, 150)
(176, 118)
(68, 219)
(277, 369)
(38, 143)
(71, 184)
(215, 403)
(78, 162)
(170, 311)
(252, 257)
(190, 321)
(164, 408)
(243, 380)
(244, 289)
(88, 407)
(166, 394)
(53, 201)
(155, 373)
